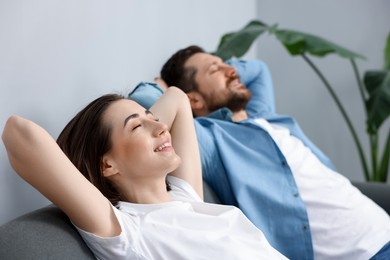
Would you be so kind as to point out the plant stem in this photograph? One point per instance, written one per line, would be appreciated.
(385, 159)
(374, 156)
(344, 114)
(375, 174)
(360, 84)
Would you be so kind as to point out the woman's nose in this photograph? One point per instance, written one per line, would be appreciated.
(159, 128)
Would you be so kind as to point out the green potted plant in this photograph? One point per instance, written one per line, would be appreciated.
(374, 86)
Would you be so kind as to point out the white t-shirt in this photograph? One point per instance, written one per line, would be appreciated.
(185, 228)
(344, 223)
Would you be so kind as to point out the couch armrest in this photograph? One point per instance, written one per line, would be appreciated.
(45, 233)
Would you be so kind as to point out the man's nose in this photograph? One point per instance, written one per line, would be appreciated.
(230, 71)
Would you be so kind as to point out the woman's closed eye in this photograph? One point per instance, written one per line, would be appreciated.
(136, 126)
(139, 124)
(137, 120)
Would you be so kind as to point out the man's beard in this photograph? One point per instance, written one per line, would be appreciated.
(236, 101)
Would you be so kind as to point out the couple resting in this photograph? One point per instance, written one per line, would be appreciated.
(141, 193)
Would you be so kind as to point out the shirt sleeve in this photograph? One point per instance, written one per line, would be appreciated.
(117, 247)
(146, 94)
(255, 75)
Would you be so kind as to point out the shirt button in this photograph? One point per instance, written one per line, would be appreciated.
(284, 163)
(296, 194)
(305, 227)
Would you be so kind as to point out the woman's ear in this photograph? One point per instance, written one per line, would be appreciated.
(108, 167)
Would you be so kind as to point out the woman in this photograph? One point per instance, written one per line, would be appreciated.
(139, 198)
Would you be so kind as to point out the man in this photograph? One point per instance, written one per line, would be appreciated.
(262, 162)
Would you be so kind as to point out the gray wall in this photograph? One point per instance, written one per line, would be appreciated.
(58, 55)
(359, 25)
(55, 56)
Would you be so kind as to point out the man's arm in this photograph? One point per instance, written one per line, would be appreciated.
(146, 94)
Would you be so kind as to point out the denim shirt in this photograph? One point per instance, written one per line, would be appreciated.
(245, 167)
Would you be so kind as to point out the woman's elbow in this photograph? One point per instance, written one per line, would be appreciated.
(16, 133)
(10, 129)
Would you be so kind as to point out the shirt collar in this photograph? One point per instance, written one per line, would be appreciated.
(222, 114)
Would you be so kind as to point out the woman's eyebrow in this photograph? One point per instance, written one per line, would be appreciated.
(135, 115)
(148, 112)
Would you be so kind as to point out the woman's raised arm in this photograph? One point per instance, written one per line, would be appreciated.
(173, 108)
(37, 158)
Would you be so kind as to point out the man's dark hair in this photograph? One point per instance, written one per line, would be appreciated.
(175, 74)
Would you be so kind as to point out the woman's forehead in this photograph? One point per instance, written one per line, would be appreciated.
(127, 104)
(122, 108)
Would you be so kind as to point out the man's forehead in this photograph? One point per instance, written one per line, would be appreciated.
(202, 60)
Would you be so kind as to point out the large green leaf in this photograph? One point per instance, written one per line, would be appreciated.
(387, 53)
(236, 44)
(377, 84)
(298, 43)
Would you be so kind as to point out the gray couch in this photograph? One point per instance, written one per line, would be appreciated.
(46, 233)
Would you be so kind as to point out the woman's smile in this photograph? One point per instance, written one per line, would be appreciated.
(166, 146)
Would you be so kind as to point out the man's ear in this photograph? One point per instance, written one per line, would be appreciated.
(108, 167)
(196, 101)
